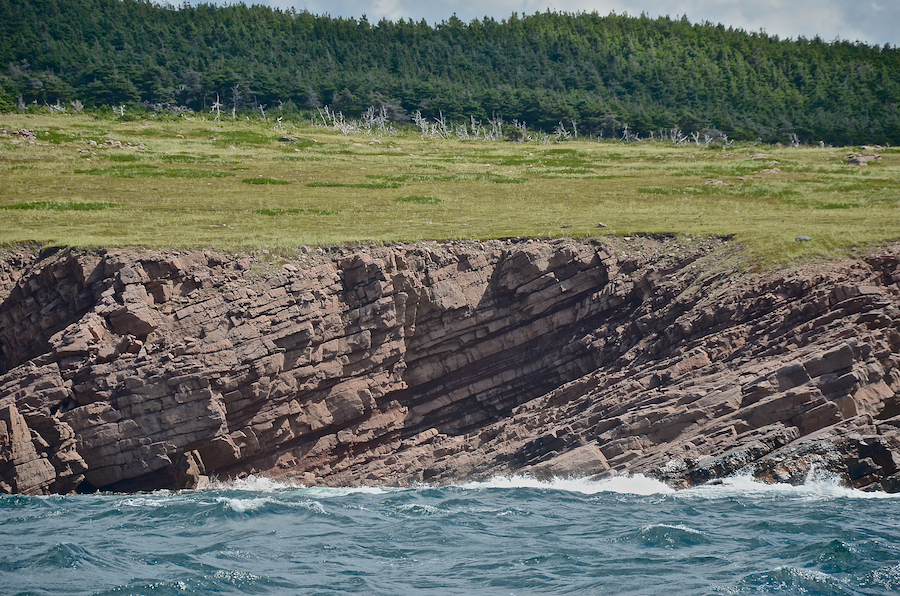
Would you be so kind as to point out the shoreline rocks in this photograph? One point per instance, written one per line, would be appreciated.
(444, 362)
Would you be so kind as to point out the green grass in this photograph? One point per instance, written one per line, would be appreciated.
(467, 177)
(60, 206)
(419, 199)
(182, 190)
(262, 180)
(276, 212)
(151, 171)
(361, 185)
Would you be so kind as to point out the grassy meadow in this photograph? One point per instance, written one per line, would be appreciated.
(232, 185)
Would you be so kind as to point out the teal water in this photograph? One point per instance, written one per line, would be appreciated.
(507, 536)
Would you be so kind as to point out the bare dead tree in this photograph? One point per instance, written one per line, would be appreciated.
(441, 122)
(676, 136)
(216, 107)
(323, 114)
(235, 98)
(726, 143)
(496, 123)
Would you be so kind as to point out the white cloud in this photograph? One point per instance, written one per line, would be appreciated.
(872, 22)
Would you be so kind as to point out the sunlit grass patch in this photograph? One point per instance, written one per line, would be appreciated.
(276, 212)
(360, 185)
(60, 206)
(419, 199)
(721, 170)
(151, 171)
(473, 177)
(182, 158)
(735, 190)
(239, 137)
(560, 172)
(120, 157)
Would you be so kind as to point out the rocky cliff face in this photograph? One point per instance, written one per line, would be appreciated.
(131, 370)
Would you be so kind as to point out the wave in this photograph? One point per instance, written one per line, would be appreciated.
(633, 485)
(817, 487)
(671, 536)
(252, 483)
(264, 484)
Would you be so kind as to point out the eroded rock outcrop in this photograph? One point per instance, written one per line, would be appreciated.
(131, 370)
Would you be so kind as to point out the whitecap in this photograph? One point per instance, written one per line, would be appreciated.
(236, 577)
(245, 505)
(333, 491)
(251, 483)
(310, 505)
(681, 527)
(632, 485)
(159, 499)
(818, 486)
(418, 509)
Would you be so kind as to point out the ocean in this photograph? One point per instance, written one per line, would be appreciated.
(506, 536)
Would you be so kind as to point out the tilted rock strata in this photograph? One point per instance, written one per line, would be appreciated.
(443, 362)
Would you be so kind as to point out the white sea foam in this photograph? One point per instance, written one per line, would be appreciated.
(311, 505)
(159, 499)
(251, 483)
(681, 527)
(633, 485)
(331, 491)
(818, 486)
(418, 509)
(245, 505)
(263, 484)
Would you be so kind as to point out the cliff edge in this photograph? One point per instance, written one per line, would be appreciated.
(440, 362)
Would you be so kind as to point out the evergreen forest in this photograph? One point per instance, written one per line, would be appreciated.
(602, 73)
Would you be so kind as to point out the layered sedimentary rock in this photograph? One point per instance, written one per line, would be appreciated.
(129, 370)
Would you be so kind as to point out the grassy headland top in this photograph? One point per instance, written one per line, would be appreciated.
(602, 73)
(259, 184)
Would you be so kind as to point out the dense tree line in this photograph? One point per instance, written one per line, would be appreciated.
(601, 71)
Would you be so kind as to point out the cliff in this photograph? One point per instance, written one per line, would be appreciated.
(135, 370)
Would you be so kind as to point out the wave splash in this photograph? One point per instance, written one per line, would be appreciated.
(633, 485)
(818, 486)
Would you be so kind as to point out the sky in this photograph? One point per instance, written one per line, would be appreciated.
(869, 21)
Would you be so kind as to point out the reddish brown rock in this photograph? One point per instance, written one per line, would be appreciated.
(445, 362)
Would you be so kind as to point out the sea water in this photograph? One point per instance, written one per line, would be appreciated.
(507, 536)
